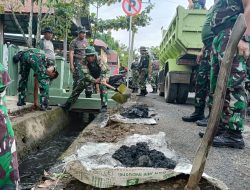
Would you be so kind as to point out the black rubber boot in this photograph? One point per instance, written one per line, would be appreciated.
(135, 90)
(219, 131)
(204, 122)
(143, 93)
(19, 103)
(198, 114)
(88, 94)
(230, 138)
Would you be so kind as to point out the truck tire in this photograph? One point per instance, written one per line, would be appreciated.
(182, 93)
(171, 90)
(161, 83)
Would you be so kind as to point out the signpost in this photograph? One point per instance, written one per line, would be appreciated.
(131, 8)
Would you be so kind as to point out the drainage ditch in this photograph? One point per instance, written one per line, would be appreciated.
(32, 167)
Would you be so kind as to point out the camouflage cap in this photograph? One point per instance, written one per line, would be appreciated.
(90, 50)
(81, 29)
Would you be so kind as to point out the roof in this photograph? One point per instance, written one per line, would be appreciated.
(100, 43)
(112, 56)
(26, 8)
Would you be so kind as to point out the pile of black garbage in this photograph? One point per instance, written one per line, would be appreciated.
(139, 155)
(136, 111)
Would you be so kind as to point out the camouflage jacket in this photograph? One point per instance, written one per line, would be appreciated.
(92, 71)
(225, 14)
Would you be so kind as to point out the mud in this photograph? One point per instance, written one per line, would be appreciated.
(136, 111)
(139, 155)
(113, 132)
(176, 183)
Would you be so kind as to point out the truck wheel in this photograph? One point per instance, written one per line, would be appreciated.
(182, 93)
(170, 89)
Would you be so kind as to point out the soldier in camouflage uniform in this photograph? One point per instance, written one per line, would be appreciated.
(145, 70)
(202, 79)
(9, 175)
(196, 4)
(76, 56)
(233, 114)
(154, 77)
(35, 59)
(135, 75)
(93, 71)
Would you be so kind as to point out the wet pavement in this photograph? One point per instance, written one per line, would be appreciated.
(232, 166)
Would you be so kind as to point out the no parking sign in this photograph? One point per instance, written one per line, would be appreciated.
(131, 7)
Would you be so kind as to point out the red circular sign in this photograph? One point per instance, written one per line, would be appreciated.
(131, 7)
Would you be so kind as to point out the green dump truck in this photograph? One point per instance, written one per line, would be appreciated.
(180, 44)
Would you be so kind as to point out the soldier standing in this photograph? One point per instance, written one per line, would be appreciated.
(203, 74)
(35, 59)
(93, 71)
(196, 4)
(135, 75)
(47, 46)
(154, 77)
(232, 120)
(76, 55)
(145, 70)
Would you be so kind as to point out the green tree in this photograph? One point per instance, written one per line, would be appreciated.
(15, 6)
(155, 51)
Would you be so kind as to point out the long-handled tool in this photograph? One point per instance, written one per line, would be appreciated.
(219, 96)
(122, 93)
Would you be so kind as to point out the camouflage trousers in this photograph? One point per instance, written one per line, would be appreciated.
(28, 62)
(154, 80)
(143, 78)
(78, 74)
(135, 79)
(82, 85)
(9, 174)
(77, 77)
(233, 114)
(202, 85)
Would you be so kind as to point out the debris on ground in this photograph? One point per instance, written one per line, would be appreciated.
(176, 183)
(136, 111)
(140, 155)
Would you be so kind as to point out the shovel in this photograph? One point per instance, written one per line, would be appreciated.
(122, 93)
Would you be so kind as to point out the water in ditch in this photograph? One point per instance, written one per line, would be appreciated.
(32, 167)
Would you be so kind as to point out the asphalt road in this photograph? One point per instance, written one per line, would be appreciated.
(232, 166)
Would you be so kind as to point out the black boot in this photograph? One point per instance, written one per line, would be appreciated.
(143, 93)
(230, 138)
(135, 90)
(204, 122)
(20, 103)
(198, 114)
(220, 130)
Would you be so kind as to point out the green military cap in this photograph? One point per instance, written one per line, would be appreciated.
(90, 50)
(82, 29)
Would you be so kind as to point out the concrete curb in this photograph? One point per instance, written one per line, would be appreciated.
(34, 128)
